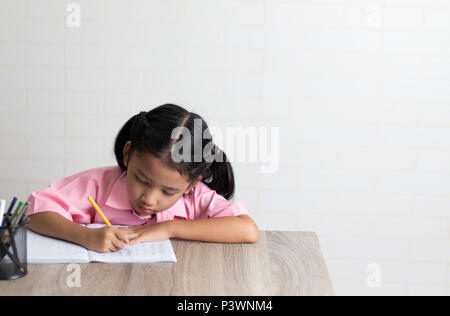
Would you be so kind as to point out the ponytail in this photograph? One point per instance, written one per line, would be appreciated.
(221, 177)
(122, 138)
(133, 128)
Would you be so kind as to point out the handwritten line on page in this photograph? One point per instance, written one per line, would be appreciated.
(45, 250)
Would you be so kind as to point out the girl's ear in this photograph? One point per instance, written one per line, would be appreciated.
(126, 153)
(191, 187)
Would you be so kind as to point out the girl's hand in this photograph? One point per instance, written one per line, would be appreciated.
(154, 232)
(107, 239)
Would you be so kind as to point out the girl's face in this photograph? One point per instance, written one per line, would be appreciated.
(152, 186)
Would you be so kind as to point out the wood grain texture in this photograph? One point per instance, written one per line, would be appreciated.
(297, 269)
(280, 263)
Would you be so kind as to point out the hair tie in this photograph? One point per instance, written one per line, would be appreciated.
(143, 118)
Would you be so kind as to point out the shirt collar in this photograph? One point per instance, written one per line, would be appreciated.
(118, 197)
(178, 209)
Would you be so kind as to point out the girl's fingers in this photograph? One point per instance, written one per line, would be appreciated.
(126, 235)
(118, 244)
(134, 241)
(126, 229)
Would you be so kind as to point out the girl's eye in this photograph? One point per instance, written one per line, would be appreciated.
(139, 180)
(146, 183)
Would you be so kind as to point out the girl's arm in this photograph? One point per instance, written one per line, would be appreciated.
(54, 225)
(238, 229)
(105, 239)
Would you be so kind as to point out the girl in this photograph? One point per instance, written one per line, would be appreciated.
(159, 196)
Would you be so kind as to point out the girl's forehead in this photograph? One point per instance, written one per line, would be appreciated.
(156, 170)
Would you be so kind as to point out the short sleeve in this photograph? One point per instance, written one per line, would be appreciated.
(67, 197)
(209, 204)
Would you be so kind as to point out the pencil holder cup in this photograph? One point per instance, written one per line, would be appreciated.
(13, 251)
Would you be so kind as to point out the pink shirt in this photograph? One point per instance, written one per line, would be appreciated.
(69, 198)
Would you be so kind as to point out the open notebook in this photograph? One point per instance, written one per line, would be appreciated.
(47, 250)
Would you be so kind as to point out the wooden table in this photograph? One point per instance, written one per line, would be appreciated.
(280, 263)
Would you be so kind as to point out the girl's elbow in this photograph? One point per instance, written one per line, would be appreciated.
(254, 237)
(251, 231)
(253, 234)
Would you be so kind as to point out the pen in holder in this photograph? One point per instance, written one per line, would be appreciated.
(13, 250)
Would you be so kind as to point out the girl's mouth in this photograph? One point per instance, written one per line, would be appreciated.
(143, 210)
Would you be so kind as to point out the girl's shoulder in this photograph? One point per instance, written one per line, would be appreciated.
(201, 188)
(101, 174)
(202, 191)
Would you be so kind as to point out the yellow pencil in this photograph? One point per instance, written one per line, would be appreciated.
(99, 211)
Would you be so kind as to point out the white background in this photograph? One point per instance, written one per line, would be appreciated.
(360, 90)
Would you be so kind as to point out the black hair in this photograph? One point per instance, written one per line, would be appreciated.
(153, 132)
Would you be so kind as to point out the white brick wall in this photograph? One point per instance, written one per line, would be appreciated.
(359, 89)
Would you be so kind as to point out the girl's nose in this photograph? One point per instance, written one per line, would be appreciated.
(146, 204)
(148, 200)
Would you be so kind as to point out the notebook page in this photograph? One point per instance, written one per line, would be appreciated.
(46, 250)
(140, 253)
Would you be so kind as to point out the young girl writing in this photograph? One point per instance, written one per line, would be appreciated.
(158, 196)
